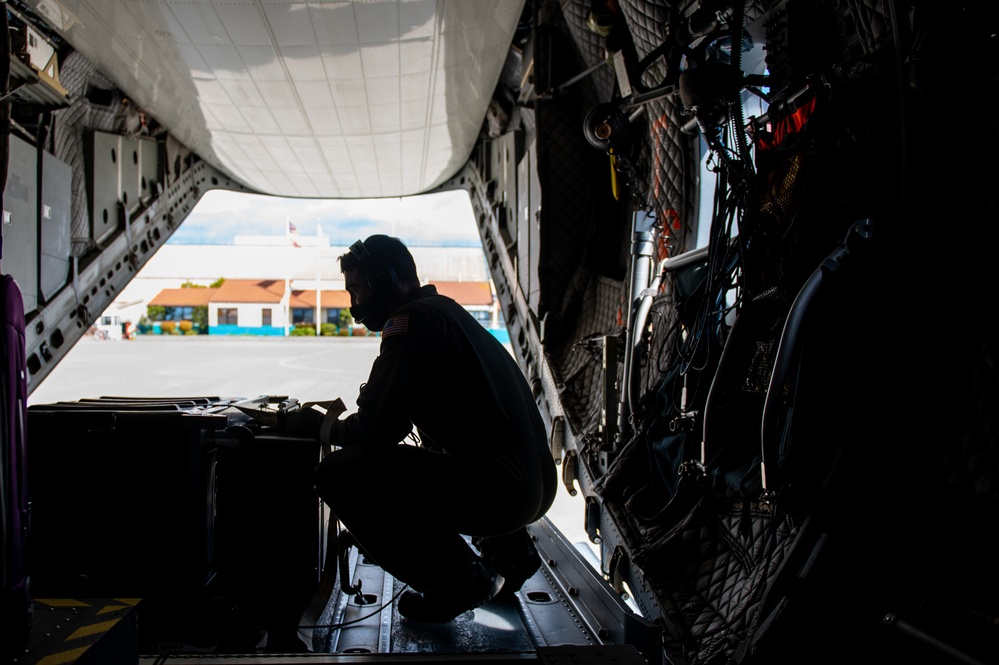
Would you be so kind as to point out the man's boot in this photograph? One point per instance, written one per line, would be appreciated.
(513, 555)
(474, 586)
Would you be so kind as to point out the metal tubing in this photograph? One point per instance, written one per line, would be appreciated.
(642, 248)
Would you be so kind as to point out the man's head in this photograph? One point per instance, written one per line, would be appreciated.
(379, 275)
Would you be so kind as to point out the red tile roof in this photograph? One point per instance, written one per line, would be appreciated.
(250, 290)
(466, 293)
(183, 297)
(307, 298)
(271, 291)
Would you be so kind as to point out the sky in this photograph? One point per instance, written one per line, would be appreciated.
(441, 219)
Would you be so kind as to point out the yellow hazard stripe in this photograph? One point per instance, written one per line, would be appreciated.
(93, 629)
(112, 608)
(61, 602)
(73, 602)
(86, 632)
(63, 657)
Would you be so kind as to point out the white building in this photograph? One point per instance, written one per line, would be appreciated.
(311, 266)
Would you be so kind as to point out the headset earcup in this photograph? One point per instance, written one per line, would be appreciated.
(381, 277)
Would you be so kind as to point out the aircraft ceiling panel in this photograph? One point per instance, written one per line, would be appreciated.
(379, 64)
(378, 22)
(288, 23)
(243, 21)
(323, 116)
(261, 89)
(305, 63)
(191, 23)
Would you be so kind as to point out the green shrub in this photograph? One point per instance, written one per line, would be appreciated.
(345, 318)
(327, 329)
(307, 330)
(199, 317)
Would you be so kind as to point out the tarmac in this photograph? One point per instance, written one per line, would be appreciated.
(306, 368)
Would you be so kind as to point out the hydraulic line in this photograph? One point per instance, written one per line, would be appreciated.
(642, 251)
(785, 363)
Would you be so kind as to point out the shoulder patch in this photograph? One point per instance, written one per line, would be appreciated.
(397, 325)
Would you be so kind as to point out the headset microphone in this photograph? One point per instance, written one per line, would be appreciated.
(360, 312)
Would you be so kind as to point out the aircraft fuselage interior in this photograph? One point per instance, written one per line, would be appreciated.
(745, 254)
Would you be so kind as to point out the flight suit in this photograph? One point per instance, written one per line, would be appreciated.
(447, 441)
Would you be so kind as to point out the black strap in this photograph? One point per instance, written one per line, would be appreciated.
(338, 544)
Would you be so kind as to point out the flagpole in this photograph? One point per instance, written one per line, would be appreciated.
(287, 279)
(319, 278)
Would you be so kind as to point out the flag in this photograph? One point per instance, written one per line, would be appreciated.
(293, 234)
(397, 325)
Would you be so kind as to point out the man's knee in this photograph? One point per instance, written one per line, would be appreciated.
(342, 472)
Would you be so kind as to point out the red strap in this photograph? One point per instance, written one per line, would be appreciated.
(787, 126)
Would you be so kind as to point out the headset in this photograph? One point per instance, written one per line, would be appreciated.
(381, 276)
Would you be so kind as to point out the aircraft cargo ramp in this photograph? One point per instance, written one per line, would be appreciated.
(542, 619)
(197, 537)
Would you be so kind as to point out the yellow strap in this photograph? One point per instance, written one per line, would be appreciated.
(613, 165)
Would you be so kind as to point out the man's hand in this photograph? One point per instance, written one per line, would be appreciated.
(304, 422)
(308, 421)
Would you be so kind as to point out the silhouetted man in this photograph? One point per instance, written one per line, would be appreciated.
(447, 442)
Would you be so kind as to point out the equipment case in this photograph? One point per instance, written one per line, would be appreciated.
(181, 502)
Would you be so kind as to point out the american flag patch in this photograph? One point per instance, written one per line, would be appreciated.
(397, 325)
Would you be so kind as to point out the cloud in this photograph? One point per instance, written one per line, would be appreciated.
(440, 219)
